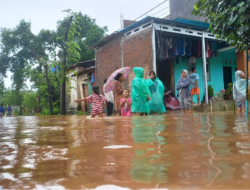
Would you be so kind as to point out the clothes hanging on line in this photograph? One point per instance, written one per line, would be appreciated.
(169, 48)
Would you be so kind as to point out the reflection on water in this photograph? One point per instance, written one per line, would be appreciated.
(163, 151)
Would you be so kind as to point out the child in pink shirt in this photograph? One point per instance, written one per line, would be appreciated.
(126, 104)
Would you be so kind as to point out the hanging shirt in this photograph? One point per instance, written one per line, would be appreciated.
(165, 49)
(209, 49)
(194, 77)
(181, 46)
(198, 49)
(170, 46)
(171, 49)
(189, 47)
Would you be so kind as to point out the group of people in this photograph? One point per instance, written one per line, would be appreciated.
(187, 87)
(5, 112)
(185, 93)
(147, 95)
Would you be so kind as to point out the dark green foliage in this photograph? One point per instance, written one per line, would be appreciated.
(45, 112)
(30, 56)
(210, 91)
(229, 89)
(229, 19)
(56, 111)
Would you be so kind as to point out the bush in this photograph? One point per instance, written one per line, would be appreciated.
(210, 91)
(229, 89)
(56, 111)
(17, 112)
(80, 113)
(45, 112)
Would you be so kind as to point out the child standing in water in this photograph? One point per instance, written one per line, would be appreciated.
(96, 100)
(125, 103)
(184, 92)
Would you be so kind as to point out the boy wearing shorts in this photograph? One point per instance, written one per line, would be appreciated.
(195, 86)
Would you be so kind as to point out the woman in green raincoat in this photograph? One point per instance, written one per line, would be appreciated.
(140, 93)
(156, 88)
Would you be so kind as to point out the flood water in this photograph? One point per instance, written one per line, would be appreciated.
(196, 151)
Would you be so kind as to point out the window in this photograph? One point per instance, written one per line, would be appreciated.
(208, 71)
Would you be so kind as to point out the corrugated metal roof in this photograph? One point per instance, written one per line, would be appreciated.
(193, 23)
(182, 23)
(86, 64)
(200, 26)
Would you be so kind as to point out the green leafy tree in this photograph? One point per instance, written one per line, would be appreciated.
(13, 97)
(2, 90)
(229, 19)
(30, 56)
(30, 101)
(75, 33)
(21, 49)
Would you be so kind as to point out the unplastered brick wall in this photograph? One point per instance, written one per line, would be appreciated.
(137, 52)
(128, 51)
(108, 59)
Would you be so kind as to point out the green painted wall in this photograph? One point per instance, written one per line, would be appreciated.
(216, 70)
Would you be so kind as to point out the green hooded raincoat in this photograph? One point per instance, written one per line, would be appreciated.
(156, 88)
(140, 92)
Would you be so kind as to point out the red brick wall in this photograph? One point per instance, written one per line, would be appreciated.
(108, 59)
(138, 49)
(137, 52)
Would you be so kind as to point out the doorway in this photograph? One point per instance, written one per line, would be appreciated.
(84, 93)
(227, 76)
(165, 72)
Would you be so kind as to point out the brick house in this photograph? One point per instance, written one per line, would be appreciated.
(138, 46)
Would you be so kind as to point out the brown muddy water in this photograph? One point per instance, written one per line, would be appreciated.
(172, 151)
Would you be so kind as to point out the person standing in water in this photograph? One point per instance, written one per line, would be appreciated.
(156, 88)
(118, 92)
(96, 100)
(140, 93)
(184, 92)
(195, 86)
(110, 99)
(126, 104)
(2, 110)
(239, 91)
(9, 111)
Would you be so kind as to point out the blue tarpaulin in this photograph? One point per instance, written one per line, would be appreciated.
(92, 78)
(53, 69)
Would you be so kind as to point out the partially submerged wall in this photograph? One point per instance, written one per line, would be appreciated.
(222, 105)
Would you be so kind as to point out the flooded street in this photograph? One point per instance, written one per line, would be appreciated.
(196, 151)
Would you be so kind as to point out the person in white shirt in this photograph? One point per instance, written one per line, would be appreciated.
(110, 99)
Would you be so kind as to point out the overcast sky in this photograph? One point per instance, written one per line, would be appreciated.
(44, 14)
